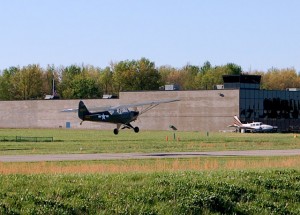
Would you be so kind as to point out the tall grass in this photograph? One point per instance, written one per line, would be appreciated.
(220, 192)
(152, 165)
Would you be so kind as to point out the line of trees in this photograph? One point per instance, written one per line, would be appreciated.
(85, 81)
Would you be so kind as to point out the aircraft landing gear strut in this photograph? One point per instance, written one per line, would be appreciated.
(128, 125)
(136, 129)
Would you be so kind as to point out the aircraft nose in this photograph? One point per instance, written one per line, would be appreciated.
(135, 113)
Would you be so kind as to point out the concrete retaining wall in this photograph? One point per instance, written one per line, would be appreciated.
(207, 110)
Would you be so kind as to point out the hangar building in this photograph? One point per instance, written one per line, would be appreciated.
(199, 110)
(275, 107)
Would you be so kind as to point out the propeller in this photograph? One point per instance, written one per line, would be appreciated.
(138, 118)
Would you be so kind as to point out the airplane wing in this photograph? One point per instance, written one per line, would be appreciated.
(245, 127)
(242, 127)
(107, 108)
(151, 103)
(148, 105)
(233, 126)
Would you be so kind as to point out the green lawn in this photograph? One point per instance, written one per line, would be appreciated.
(219, 192)
(95, 141)
(206, 185)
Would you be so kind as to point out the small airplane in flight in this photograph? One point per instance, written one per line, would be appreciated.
(119, 115)
(252, 127)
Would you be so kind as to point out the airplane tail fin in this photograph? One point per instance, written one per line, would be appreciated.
(82, 110)
(237, 121)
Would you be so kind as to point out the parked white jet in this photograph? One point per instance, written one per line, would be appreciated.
(252, 127)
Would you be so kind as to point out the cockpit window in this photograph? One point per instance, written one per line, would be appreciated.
(118, 111)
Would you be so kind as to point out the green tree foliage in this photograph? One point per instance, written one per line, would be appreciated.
(136, 75)
(189, 74)
(123, 75)
(106, 81)
(192, 77)
(169, 75)
(50, 78)
(84, 87)
(211, 76)
(74, 82)
(147, 75)
(22, 84)
(206, 67)
(35, 81)
(280, 79)
(7, 87)
(79, 82)
(184, 77)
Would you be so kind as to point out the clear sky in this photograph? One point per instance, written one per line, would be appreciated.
(255, 34)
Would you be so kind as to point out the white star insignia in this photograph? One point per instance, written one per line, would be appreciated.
(103, 117)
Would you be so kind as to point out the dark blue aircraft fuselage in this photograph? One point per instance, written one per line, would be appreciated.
(105, 116)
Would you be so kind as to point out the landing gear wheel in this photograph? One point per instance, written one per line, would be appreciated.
(116, 131)
(136, 129)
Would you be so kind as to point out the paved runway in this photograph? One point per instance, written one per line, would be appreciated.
(118, 156)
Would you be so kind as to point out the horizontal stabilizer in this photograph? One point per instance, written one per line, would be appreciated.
(70, 110)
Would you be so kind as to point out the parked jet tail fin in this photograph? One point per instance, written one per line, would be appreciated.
(82, 110)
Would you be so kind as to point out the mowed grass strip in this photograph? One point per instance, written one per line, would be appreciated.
(188, 192)
(152, 165)
(68, 141)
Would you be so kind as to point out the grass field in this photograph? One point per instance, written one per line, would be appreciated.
(205, 185)
(94, 141)
(218, 192)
